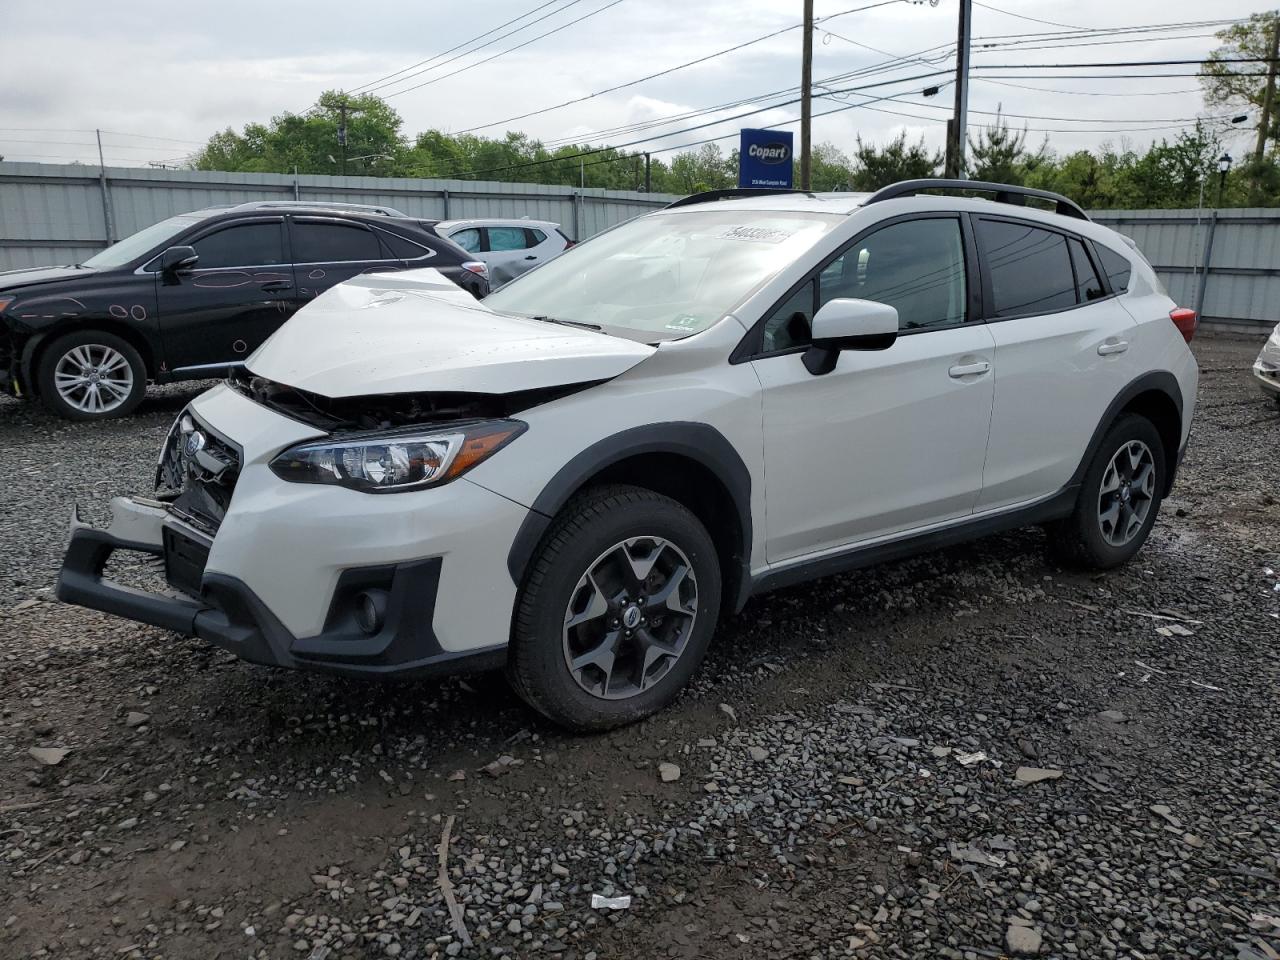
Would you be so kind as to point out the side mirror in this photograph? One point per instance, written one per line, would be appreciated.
(178, 259)
(849, 324)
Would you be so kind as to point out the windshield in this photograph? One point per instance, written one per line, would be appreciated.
(665, 276)
(132, 247)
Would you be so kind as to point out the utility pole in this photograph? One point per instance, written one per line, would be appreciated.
(107, 218)
(957, 129)
(1269, 97)
(806, 95)
(648, 173)
(342, 133)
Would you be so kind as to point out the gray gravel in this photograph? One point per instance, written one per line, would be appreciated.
(971, 754)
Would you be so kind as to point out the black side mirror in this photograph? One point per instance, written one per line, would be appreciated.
(178, 260)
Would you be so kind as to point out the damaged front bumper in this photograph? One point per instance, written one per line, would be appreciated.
(222, 610)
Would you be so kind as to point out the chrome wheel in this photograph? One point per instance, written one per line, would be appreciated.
(630, 617)
(93, 378)
(1127, 493)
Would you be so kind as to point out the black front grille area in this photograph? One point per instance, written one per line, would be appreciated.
(197, 474)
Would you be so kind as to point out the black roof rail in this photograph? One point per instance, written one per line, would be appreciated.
(732, 193)
(1004, 193)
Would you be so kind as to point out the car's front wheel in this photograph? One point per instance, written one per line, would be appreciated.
(91, 375)
(617, 610)
(1119, 498)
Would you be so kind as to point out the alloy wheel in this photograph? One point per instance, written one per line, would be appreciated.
(1127, 493)
(93, 378)
(630, 617)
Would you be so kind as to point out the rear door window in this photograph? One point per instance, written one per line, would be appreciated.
(1088, 286)
(1029, 269)
(506, 238)
(315, 242)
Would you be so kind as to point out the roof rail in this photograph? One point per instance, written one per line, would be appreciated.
(320, 205)
(710, 196)
(1004, 193)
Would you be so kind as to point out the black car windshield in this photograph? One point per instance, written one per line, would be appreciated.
(132, 247)
(665, 276)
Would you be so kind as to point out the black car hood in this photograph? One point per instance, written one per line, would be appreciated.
(30, 276)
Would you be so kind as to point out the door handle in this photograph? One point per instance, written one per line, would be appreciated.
(1108, 347)
(531, 257)
(971, 369)
(273, 285)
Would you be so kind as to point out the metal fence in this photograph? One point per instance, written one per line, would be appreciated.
(63, 213)
(1224, 263)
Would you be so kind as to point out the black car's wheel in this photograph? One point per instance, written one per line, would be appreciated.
(617, 611)
(1118, 501)
(91, 375)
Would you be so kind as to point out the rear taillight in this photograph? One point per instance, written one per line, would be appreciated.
(475, 266)
(570, 243)
(1186, 321)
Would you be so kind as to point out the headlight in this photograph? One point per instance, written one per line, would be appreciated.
(396, 461)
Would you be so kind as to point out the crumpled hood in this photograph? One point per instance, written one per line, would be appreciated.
(417, 332)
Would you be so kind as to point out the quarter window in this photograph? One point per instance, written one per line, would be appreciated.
(1030, 268)
(402, 248)
(244, 245)
(1116, 267)
(535, 237)
(506, 238)
(333, 243)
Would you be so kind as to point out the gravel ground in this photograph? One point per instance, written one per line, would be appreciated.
(970, 754)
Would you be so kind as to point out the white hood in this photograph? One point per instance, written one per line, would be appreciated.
(418, 332)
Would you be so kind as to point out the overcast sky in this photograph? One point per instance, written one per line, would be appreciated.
(184, 71)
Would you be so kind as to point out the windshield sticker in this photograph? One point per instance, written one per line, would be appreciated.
(684, 322)
(757, 234)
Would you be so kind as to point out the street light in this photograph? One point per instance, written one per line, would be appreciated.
(1224, 164)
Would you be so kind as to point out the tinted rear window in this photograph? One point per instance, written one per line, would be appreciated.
(1088, 286)
(1117, 268)
(404, 249)
(1030, 269)
(333, 243)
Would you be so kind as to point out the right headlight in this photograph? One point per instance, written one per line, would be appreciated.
(399, 460)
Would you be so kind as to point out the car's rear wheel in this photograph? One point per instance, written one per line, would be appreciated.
(617, 611)
(91, 375)
(1119, 498)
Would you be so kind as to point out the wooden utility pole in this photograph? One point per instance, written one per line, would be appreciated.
(1269, 97)
(806, 96)
(342, 132)
(957, 130)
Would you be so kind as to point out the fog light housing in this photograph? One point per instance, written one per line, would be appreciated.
(371, 610)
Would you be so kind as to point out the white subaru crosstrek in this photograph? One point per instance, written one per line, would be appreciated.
(578, 477)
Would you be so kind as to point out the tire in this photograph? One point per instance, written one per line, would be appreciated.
(1101, 534)
(119, 377)
(606, 532)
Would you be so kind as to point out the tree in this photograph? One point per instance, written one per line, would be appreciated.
(703, 169)
(1242, 85)
(875, 167)
(829, 169)
(999, 154)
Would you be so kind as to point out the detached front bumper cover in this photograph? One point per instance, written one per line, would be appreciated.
(231, 616)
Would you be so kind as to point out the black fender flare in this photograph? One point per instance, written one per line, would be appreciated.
(698, 442)
(1160, 381)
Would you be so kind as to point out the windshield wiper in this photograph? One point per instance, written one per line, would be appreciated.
(568, 323)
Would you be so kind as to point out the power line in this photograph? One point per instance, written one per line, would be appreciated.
(503, 53)
(670, 70)
(1051, 23)
(459, 46)
(1088, 93)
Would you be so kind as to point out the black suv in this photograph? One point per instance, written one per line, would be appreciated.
(194, 295)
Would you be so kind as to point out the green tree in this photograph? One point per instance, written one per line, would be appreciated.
(1242, 85)
(829, 169)
(706, 168)
(999, 154)
(875, 167)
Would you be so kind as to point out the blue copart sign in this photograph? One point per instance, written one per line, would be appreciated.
(764, 159)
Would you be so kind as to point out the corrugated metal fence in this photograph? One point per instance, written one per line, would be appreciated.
(63, 213)
(1224, 263)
